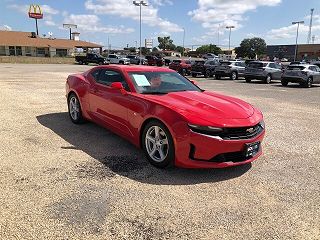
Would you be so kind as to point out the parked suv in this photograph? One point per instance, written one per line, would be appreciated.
(197, 68)
(304, 74)
(91, 58)
(114, 58)
(231, 69)
(181, 66)
(266, 71)
(155, 61)
(136, 60)
(210, 66)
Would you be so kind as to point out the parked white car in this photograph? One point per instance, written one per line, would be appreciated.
(116, 59)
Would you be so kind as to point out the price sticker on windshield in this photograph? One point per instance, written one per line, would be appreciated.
(141, 80)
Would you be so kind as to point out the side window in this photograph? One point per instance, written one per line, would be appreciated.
(107, 77)
(312, 68)
(317, 68)
(95, 74)
(272, 65)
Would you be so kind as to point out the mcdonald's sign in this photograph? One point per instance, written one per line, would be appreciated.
(35, 12)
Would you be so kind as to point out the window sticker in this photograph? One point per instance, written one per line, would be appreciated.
(141, 80)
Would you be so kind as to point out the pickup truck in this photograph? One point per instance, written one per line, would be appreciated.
(114, 58)
(91, 58)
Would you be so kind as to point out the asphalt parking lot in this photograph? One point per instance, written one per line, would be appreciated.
(64, 181)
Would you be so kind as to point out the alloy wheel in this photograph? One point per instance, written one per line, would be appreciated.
(157, 145)
(74, 108)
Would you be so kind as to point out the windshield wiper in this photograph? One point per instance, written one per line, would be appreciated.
(155, 92)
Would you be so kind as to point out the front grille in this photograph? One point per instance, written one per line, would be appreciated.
(241, 133)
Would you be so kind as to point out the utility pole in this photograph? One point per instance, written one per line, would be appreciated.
(296, 48)
(140, 4)
(184, 34)
(230, 27)
(310, 27)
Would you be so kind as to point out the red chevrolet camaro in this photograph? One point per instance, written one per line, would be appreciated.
(168, 116)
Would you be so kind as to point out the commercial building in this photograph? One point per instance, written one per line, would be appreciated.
(304, 51)
(14, 43)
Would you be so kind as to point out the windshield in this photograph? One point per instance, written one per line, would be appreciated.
(176, 61)
(161, 82)
(296, 67)
(257, 64)
(225, 63)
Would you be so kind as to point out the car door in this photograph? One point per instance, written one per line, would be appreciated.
(275, 72)
(108, 105)
(316, 73)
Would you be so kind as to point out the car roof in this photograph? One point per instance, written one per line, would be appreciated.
(128, 68)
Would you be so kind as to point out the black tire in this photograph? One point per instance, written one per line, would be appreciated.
(268, 79)
(207, 74)
(309, 83)
(121, 62)
(248, 80)
(183, 72)
(170, 152)
(194, 75)
(234, 76)
(75, 118)
(284, 82)
(217, 77)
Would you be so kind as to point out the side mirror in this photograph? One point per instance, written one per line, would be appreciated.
(194, 82)
(118, 86)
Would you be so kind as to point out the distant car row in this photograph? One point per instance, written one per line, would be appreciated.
(304, 74)
(117, 59)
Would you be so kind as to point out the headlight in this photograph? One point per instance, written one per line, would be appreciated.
(205, 129)
(262, 124)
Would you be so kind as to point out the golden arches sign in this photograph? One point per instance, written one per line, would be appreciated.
(35, 11)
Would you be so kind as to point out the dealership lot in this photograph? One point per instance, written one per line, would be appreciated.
(65, 181)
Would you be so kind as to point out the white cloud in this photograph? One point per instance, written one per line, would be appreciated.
(46, 9)
(162, 2)
(125, 9)
(290, 31)
(226, 12)
(5, 28)
(91, 23)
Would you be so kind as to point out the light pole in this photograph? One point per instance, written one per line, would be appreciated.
(229, 27)
(140, 4)
(296, 48)
(184, 34)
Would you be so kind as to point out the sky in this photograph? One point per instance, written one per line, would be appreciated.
(202, 21)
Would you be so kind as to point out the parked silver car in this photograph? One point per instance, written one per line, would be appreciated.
(266, 71)
(231, 69)
(117, 59)
(304, 74)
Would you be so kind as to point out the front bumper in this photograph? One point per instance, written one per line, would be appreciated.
(202, 151)
(295, 79)
(255, 76)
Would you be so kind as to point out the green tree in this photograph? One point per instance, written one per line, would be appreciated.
(179, 49)
(210, 48)
(145, 51)
(165, 43)
(251, 47)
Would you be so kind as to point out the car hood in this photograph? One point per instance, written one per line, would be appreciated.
(206, 106)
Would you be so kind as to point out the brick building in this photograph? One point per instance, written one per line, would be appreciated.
(14, 43)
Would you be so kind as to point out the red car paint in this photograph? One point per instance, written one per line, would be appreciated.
(125, 113)
(181, 65)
